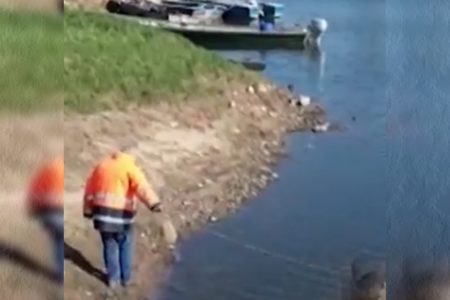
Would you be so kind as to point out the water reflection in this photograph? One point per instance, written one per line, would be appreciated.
(317, 56)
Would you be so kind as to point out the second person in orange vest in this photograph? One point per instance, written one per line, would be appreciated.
(110, 200)
(45, 203)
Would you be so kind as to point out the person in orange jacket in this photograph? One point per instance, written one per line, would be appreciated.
(110, 201)
(45, 203)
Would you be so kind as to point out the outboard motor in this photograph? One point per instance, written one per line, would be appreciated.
(316, 28)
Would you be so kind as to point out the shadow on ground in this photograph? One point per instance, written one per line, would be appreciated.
(19, 258)
(77, 258)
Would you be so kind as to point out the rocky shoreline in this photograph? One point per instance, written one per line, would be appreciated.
(260, 150)
(206, 158)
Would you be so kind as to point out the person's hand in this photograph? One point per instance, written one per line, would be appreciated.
(87, 216)
(157, 208)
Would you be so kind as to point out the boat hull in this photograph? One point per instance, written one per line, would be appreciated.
(243, 41)
(229, 37)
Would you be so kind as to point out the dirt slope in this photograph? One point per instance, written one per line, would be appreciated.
(204, 158)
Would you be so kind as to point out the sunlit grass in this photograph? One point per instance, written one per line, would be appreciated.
(114, 62)
(31, 55)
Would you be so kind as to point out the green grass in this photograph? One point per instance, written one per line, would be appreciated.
(31, 54)
(111, 62)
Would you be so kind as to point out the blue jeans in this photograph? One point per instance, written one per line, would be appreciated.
(54, 225)
(117, 255)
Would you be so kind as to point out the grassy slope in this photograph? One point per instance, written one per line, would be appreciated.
(31, 51)
(114, 62)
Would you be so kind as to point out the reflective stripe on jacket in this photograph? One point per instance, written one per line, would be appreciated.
(109, 197)
(110, 212)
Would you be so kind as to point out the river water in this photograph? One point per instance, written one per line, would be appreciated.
(418, 90)
(379, 188)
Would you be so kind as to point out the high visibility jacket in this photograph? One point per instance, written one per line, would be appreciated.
(46, 191)
(110, 191)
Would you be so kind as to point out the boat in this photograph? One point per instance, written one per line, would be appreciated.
(239, 37)
(192, 7)
(137, 9)
(222, 37)
(231, 12)
(204, 27)
(163, 10)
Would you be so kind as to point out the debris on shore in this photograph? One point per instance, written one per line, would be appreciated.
(322, 127)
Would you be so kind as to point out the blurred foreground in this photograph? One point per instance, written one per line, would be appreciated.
(31, 123)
